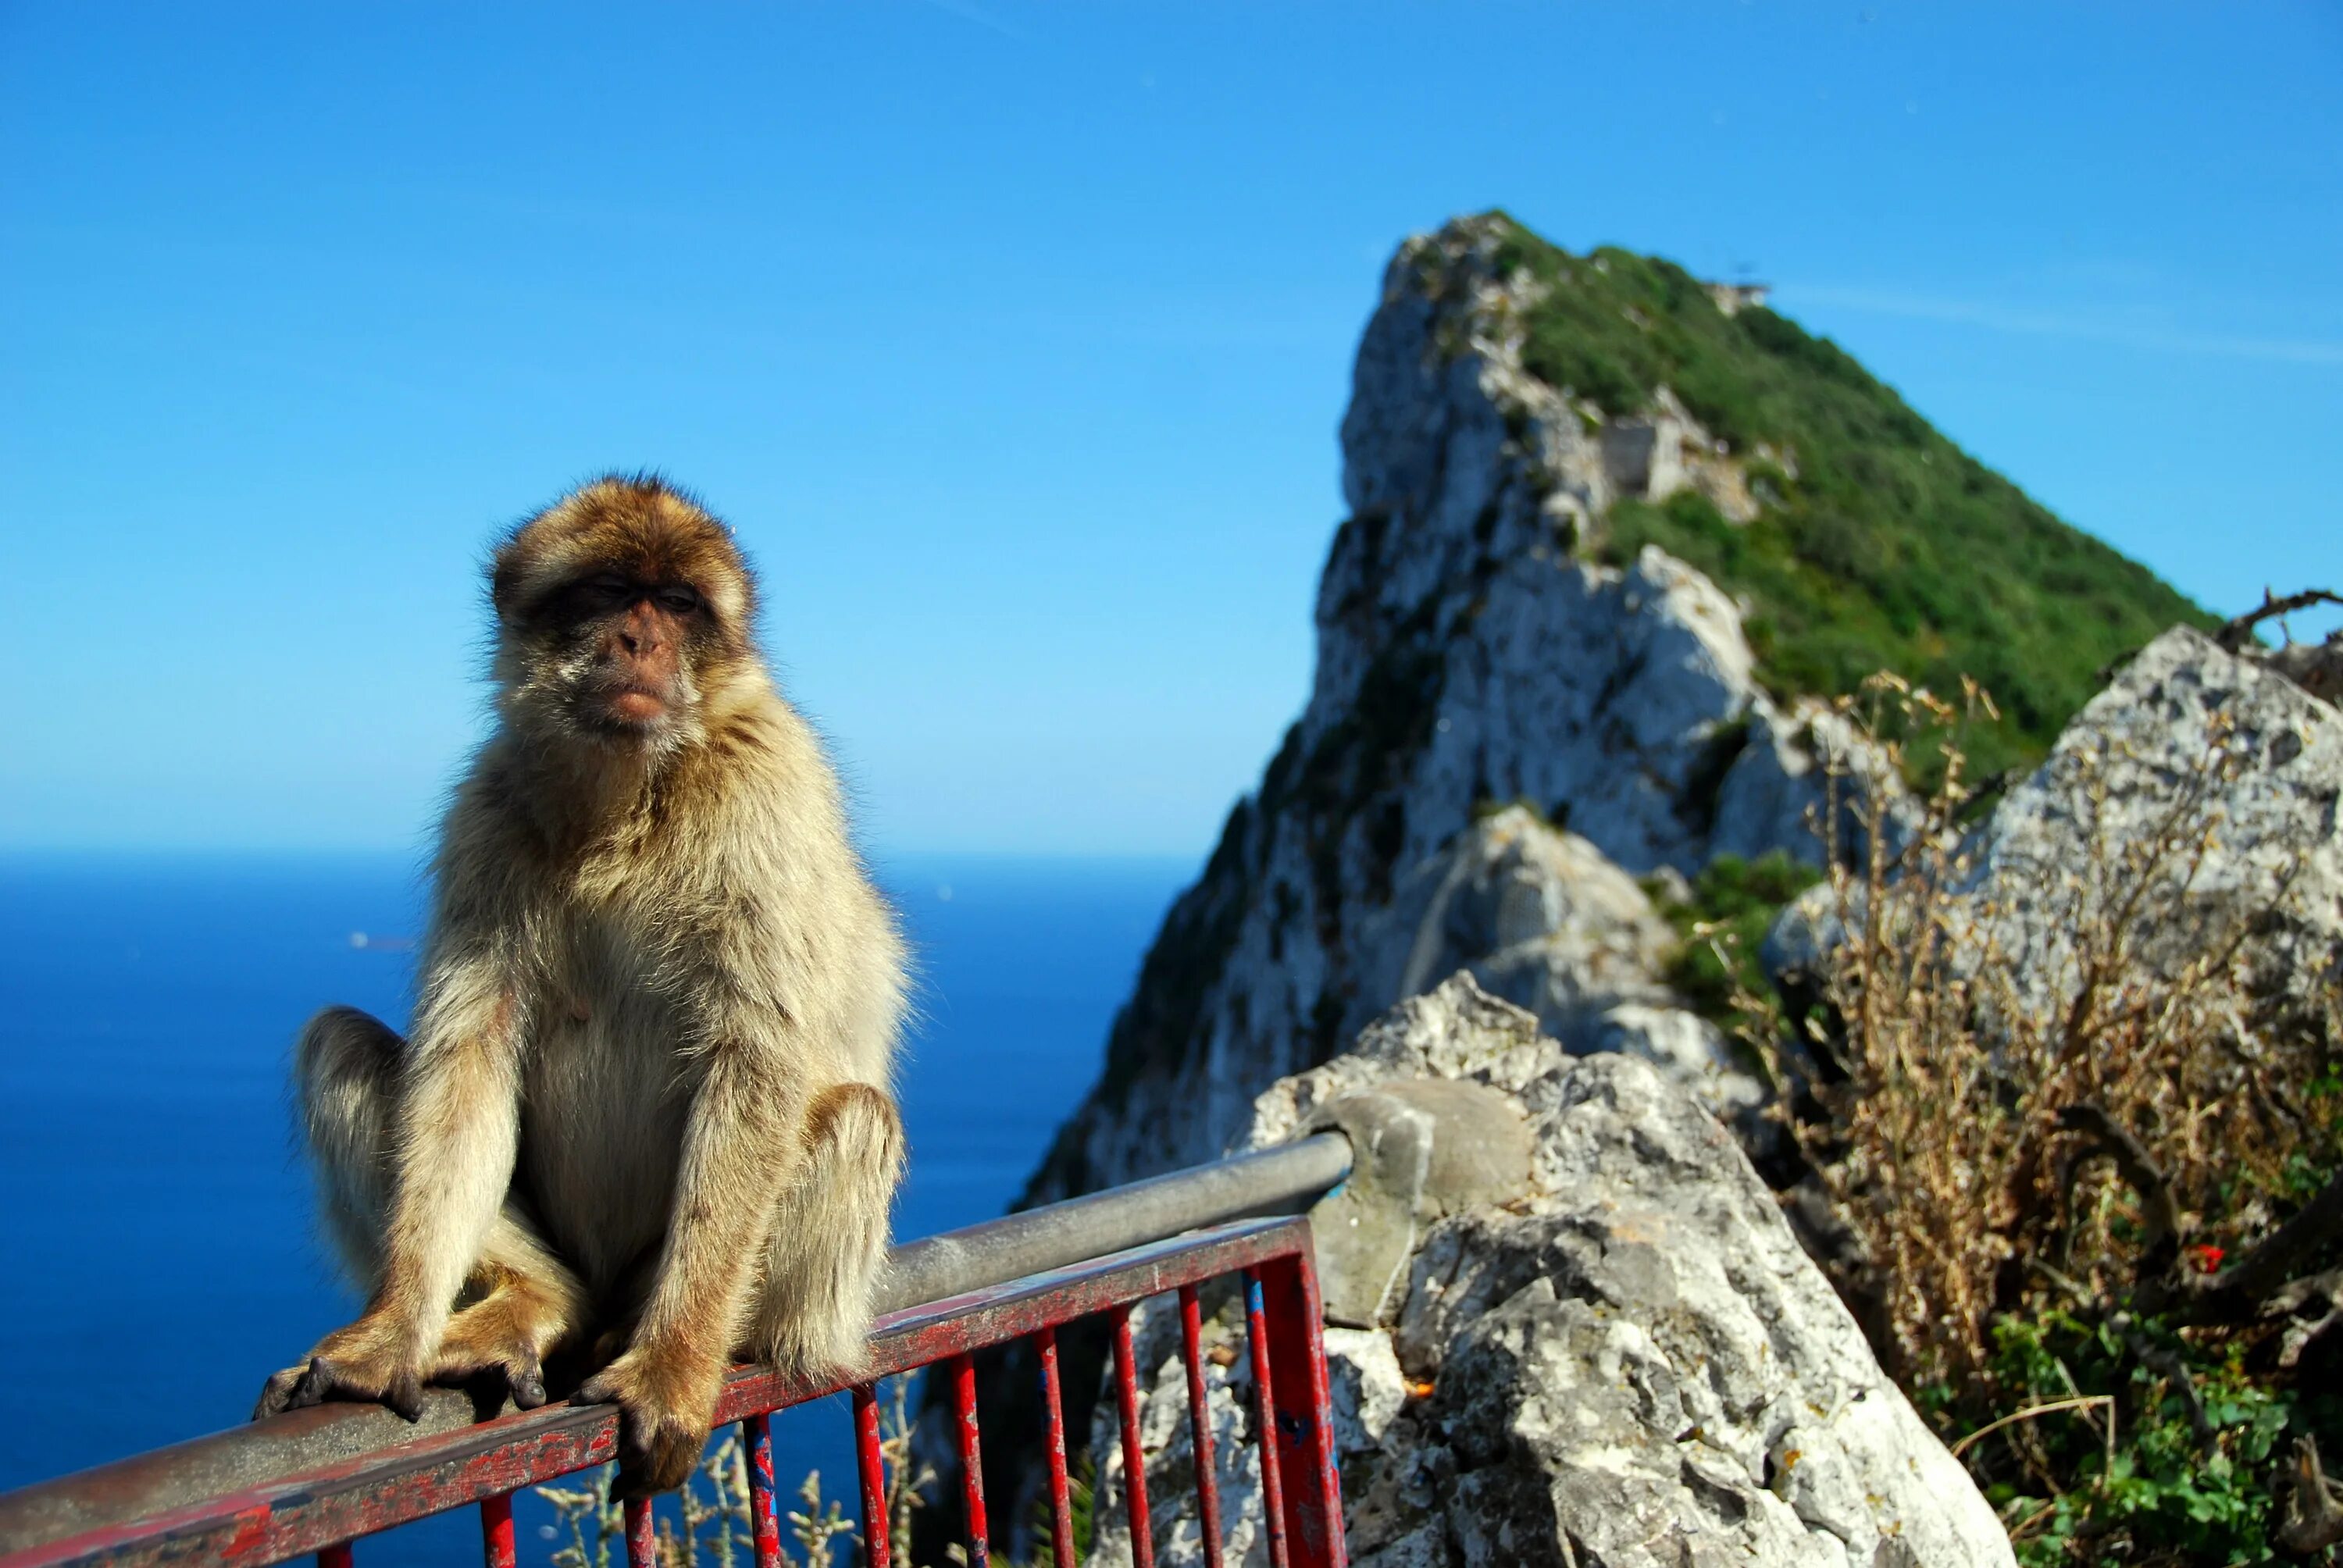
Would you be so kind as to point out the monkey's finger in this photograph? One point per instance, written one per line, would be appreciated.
(600, 1389)
(405, 1395)
(317, 1381)
(629, 1483)
(527, 1384)
(277, 1394)
(633, 1479)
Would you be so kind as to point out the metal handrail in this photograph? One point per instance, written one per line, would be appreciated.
(313, 1473)
(1286, 1180)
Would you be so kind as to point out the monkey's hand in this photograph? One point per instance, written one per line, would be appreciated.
(372, 1358)
(665, 1403)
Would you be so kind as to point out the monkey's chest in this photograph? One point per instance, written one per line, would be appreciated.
(604, 1104)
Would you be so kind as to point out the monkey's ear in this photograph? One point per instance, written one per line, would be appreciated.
(504, 580)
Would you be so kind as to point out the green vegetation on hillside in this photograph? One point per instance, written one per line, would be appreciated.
(1882, 547)
(1734, 903)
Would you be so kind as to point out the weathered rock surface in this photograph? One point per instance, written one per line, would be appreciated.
(1631, 1364)
(1539, 915)
(1542, 918)
(2187, 740)
(2185, 731)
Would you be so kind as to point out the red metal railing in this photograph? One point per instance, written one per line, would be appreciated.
(323, 1510)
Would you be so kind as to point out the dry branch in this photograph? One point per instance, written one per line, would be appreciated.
(2161, 1244)
(2313, 1520)
(2233, 636)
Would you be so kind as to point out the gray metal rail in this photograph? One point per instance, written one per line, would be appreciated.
(1286, 1180)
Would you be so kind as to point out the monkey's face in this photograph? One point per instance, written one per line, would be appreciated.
(621, 610)
(627, 640)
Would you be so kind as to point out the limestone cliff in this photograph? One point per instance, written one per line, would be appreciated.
(1471, 651)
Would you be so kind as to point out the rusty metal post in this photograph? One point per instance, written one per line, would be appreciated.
(496, 1530)
(871, 1460)
(1304, 1423)
(338, 1555)
(971, 1458)
(1200, 1424)
(1272, 1482)
(642, 1538)
(1062, 1508)
(1134, 1460)
(764, 1525)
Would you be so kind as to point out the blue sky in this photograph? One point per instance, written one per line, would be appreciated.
(1014, 338)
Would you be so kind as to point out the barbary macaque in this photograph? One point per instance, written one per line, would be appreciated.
(643, 1117)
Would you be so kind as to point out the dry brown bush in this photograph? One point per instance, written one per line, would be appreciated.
(2118, 1115)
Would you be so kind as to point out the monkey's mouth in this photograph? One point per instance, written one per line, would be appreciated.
(631, 704)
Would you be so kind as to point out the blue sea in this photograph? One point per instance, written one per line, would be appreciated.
(160, 1253)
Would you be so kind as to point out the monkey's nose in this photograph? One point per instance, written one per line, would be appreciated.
(640, 632)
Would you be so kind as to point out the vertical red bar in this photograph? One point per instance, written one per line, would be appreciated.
(1305, 1414)
(642, 1541)
(1200, 1424)
(1134, 1459)
(870, 1460)
(764, 1525)
(338, 1555)
(971, 1459)
(1272, 1488)
(1062, 1511)
(495, 1531)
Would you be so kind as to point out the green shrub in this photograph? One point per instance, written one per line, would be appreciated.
(1733, 902)
(2179, 1457)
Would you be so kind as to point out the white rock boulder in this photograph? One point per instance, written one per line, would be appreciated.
(1632, 1363)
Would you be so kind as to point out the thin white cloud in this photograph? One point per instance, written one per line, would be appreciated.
(2061, 324)
(968, 12)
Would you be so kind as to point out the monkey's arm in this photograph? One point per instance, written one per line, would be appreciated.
(741, 1145)
(458, 1128)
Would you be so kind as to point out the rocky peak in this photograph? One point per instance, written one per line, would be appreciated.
(1471, 651)
(1456, 456)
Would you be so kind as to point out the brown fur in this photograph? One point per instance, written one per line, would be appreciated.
(645, 1099)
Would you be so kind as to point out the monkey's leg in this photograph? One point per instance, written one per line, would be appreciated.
(829, 1234)
(346, 1083)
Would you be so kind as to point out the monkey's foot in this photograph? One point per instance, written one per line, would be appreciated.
(508, 1335)
(319, 1379)
(369, 1360)
(664, 1410)
(277, 1394)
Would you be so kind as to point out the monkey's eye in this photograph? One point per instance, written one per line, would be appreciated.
(602, 592)
(678, 599)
